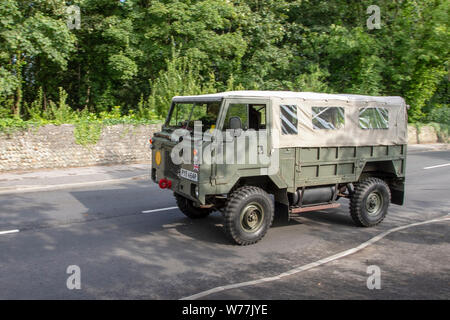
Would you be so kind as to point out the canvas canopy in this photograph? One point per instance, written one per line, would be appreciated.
(306, 119)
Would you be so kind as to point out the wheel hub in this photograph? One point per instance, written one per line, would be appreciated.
(374, 203)
(252, 217)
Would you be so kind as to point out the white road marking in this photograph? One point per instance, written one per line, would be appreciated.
(162, 209)
(313, 264)
(438, 166)
(9, 231)
(24, 189)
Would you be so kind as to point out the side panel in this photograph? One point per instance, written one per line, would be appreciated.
(287, 167)
(300, 167)
(329, 165)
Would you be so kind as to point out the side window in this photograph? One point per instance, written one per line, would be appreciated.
(289, 119)
(253, 116)
(257, 116)
(374, 118)
(237, 110)
(328, 118)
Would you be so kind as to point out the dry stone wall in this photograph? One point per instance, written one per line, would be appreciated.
(53, 146)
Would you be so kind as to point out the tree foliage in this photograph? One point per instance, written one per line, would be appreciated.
(137, 54)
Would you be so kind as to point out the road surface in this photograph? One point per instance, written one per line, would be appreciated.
(130, 243)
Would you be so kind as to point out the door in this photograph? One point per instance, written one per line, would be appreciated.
(244, 151)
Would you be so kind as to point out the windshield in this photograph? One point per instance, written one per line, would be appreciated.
(183, 115)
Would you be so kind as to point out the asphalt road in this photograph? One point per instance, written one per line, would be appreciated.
(124, 253)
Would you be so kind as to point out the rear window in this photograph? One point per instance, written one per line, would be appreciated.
(374, 118)
(289, 119)
(331, 118)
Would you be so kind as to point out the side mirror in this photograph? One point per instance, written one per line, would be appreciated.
(235, 124)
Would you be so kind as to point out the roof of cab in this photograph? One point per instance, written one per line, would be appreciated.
(286, 94)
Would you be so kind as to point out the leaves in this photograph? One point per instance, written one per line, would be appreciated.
(139, 53)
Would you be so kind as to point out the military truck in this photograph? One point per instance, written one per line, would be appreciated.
(281, 153)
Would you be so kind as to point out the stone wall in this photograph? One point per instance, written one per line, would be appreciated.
(55, 147)
(426, 134)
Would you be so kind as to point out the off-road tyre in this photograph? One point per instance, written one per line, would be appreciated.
(187, 207)
(369, 204)
(248, 215)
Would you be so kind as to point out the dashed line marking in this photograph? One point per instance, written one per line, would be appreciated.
(438, 166)
(162, 209)
(9, 231)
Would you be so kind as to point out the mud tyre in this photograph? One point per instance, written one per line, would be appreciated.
(248, 215)
(369, 204)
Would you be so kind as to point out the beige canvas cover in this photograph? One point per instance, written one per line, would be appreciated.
(350, 134)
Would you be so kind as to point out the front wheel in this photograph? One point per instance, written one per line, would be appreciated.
(248, 215)
(369, 204)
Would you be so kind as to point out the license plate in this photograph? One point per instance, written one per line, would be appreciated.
(193, 176)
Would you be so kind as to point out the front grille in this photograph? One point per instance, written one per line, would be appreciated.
(171, 169)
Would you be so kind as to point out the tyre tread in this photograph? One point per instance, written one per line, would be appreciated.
(190, 211)
(357, 200)
(231, 209)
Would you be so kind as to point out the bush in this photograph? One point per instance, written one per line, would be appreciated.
(440, 114)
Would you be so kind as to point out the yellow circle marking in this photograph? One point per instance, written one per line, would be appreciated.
(158, 158)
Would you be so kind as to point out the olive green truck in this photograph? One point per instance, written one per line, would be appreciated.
(255, 154)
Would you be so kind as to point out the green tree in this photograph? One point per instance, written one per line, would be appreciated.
(138, 53)
(34, 40)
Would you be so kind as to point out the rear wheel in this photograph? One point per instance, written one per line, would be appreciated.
(248, 215)
(187, 207)
(369, 204)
